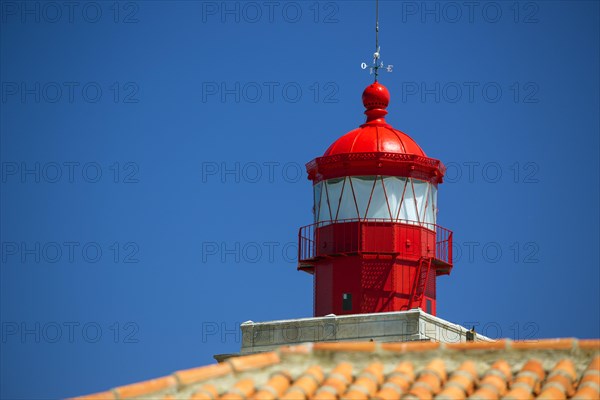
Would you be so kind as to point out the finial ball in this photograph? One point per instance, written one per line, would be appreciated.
(376, 55)
(376, 96)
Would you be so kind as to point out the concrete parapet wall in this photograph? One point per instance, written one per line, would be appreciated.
(400, 326)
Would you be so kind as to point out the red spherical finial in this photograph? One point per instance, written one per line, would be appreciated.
(376, 98)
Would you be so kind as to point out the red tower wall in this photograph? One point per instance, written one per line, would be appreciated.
(367, 267)
(374, 284)
(406, 240)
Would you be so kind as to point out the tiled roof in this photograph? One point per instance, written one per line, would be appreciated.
(544, 369)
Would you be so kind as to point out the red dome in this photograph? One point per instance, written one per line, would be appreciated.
(375, 148)
(375, 135)
(375, 138)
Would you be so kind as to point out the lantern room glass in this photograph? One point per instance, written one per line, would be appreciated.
(387, 198)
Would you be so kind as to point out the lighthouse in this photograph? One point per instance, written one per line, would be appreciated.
(375, 245)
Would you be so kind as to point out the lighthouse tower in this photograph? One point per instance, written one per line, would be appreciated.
(375, 245)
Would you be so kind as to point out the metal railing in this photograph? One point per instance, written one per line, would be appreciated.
(443, 244)
(346, 236)
(306, 243)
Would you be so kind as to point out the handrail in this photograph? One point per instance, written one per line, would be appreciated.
(427, 225)
(307, 246)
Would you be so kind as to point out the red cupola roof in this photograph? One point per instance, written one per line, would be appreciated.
(375, 135)
(375, 148)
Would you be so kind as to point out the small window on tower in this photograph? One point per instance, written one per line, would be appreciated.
(347, 302)
(428, 306)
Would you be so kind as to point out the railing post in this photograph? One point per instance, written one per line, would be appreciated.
(299, 244)
(450, 248)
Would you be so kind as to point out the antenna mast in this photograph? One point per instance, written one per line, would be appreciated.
(374, 68)
(376, 55)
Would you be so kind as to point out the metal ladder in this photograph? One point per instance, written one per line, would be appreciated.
(420, 284)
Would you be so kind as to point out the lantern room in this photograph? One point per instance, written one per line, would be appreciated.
(374, 245)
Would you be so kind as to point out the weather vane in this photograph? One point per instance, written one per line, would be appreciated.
(377, 63)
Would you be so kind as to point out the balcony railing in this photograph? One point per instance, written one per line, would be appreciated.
(347, 236)
(443, 244)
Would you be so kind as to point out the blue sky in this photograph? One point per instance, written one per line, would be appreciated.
(153, 170)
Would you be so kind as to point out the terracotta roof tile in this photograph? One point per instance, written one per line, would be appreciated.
(592, 376)
(205, 392)
(595, 364)
(410, 346)
(336, 382)
(253, 361)
(545, 369)
(496, 345)
(189, 376)
(146, 387)
(299, 349)
(345, 346)
(461, 383)
(589, 344)
(274, 388)
(240, 390)
(397, 382)
(306, 385)
(366, 384)
(495, 381)
(430, 380)
(587, 393)
(589, 385)
(518, 393)
(545, 344)
(527, 381)
(100, 396)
